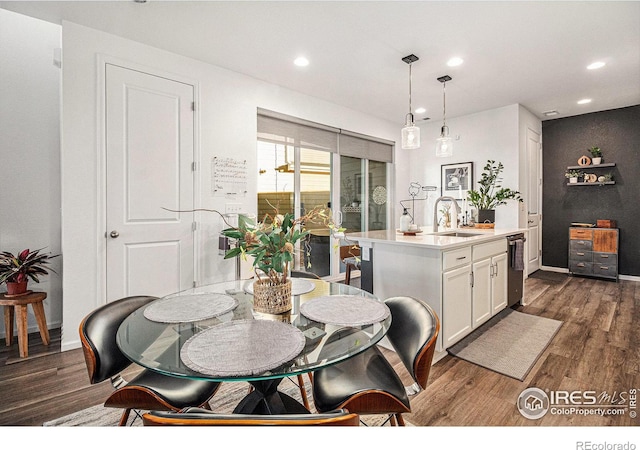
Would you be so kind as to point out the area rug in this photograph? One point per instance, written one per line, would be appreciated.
(227, 397)
(510, 343)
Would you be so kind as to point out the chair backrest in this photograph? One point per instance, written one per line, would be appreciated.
(203, 417)
(98, 336)
(349, 251)
(302, 274)
(413, 334)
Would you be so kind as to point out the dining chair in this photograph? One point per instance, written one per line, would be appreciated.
(303, 274)
(203, 417)
(367, 383)
(147, 390)
(350, 257)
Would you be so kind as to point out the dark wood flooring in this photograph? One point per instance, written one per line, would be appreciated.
(597, 349)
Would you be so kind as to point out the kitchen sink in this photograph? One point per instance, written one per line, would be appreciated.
(459, 234)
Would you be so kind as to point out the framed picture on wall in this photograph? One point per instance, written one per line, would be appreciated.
(457, 179)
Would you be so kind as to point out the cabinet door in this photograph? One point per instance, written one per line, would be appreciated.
(605, 241)
(481, 291)
(499, 298)
(456, 305)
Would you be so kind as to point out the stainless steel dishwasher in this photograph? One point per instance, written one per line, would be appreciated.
(516, 268)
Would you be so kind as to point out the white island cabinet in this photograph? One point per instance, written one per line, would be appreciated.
(462, 277)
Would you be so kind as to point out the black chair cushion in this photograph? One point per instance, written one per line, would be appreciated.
(367, 371)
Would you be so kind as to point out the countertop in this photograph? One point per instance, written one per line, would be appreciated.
(429, 239)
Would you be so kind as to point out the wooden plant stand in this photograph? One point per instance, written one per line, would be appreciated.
(18, 305)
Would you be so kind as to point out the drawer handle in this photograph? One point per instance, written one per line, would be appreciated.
(460, 258)
(604, 268)
(580, 254)
(581, 265)
(604, 256)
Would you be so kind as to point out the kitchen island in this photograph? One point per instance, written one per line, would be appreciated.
(460, 273)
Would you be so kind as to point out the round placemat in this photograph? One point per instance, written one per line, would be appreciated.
(299, 286)
(345, 310)
(242, 348)
(190, 307)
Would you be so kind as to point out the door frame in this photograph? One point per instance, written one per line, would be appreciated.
(102, 61)
(538, 191)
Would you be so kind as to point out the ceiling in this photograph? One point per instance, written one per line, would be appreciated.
(532, 53)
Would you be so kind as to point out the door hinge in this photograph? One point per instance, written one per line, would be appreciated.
(193, 106)
(194, 166)
(194, 226)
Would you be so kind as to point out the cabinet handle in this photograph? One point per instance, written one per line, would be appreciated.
(581, 265)
(496, 273)
(471, 278)
(460, 258)
(604, 256)
(579, 253)
(491, 275)
(604, 268)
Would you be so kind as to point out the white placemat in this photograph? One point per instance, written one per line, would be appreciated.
(299, 286)
(345, 310)
(242, 348)
(190, 307)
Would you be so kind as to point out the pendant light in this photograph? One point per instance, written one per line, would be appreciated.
(444, 144)
(410, 132)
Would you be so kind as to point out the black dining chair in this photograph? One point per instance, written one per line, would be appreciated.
(148, 390)
(367, 383)
(203, 417)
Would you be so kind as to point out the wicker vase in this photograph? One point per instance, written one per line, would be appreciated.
(271, 298)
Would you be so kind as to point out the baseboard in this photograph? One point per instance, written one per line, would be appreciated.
(565, 270)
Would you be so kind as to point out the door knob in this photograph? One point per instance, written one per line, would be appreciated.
(114, 234)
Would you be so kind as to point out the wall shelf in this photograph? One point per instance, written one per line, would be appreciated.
(596, 183)
(592, 166)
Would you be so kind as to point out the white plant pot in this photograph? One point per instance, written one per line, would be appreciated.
(596, 161)
(573, 180)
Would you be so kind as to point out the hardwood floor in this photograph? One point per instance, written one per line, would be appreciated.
(596, 349)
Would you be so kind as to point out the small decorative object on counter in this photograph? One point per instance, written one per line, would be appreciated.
(405, 221)
(596, 155)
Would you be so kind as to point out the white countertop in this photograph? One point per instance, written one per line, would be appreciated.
(428, 239)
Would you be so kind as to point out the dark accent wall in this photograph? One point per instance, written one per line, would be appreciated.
(617, 133)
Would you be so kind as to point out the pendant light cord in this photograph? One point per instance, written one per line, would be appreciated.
(444, 104)
(410, 89)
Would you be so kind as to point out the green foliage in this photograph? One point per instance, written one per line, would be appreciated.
(490, 192)
(272, 241)
(26, 264)
(595, 152)
(574, 174)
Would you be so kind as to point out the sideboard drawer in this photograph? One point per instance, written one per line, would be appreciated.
(605, 258)
(605, 270)
(580, 255)
(580, 245)
(580, 233)
(581, 268)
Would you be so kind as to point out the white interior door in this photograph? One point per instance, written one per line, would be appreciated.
(534, 202)
(149, 156)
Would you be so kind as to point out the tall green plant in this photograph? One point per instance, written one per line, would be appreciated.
(491, 193)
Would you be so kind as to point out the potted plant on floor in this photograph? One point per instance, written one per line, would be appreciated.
(491, 193)
(596, 155)
(16, 270)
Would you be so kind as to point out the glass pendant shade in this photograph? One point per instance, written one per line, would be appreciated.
(410, 135)
(444, 144)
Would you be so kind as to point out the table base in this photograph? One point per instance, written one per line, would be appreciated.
(266, 399)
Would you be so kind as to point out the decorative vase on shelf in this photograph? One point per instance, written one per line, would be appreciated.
(573, 180)
(270, 297)
(596, 160)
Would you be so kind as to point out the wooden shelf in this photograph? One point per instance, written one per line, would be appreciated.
(596, 183)
(594, 166)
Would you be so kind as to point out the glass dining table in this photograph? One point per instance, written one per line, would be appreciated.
(213, 333)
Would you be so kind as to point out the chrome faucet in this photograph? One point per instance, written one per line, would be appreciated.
(435, 210)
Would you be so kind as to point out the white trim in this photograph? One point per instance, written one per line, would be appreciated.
(628, 277)
(101, 167)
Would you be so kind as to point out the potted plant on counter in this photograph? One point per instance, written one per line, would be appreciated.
(16, 270)
(596, 155)
(491, 193)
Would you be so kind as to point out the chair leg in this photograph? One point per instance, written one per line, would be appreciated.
(124, 418)
(303, 392)
(392, 420)
(400, 420)
(347, 276)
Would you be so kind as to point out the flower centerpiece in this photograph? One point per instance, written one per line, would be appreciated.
(272, 244)
(16, 270)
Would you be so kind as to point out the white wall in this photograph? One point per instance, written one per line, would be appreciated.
(30, 148)
(227, 108)
(491, 134)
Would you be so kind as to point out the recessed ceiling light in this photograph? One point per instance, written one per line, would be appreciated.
(421, 110)
(455, 62)
(301, 61)
(552, 112)
(584, 101)
(595, 65)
